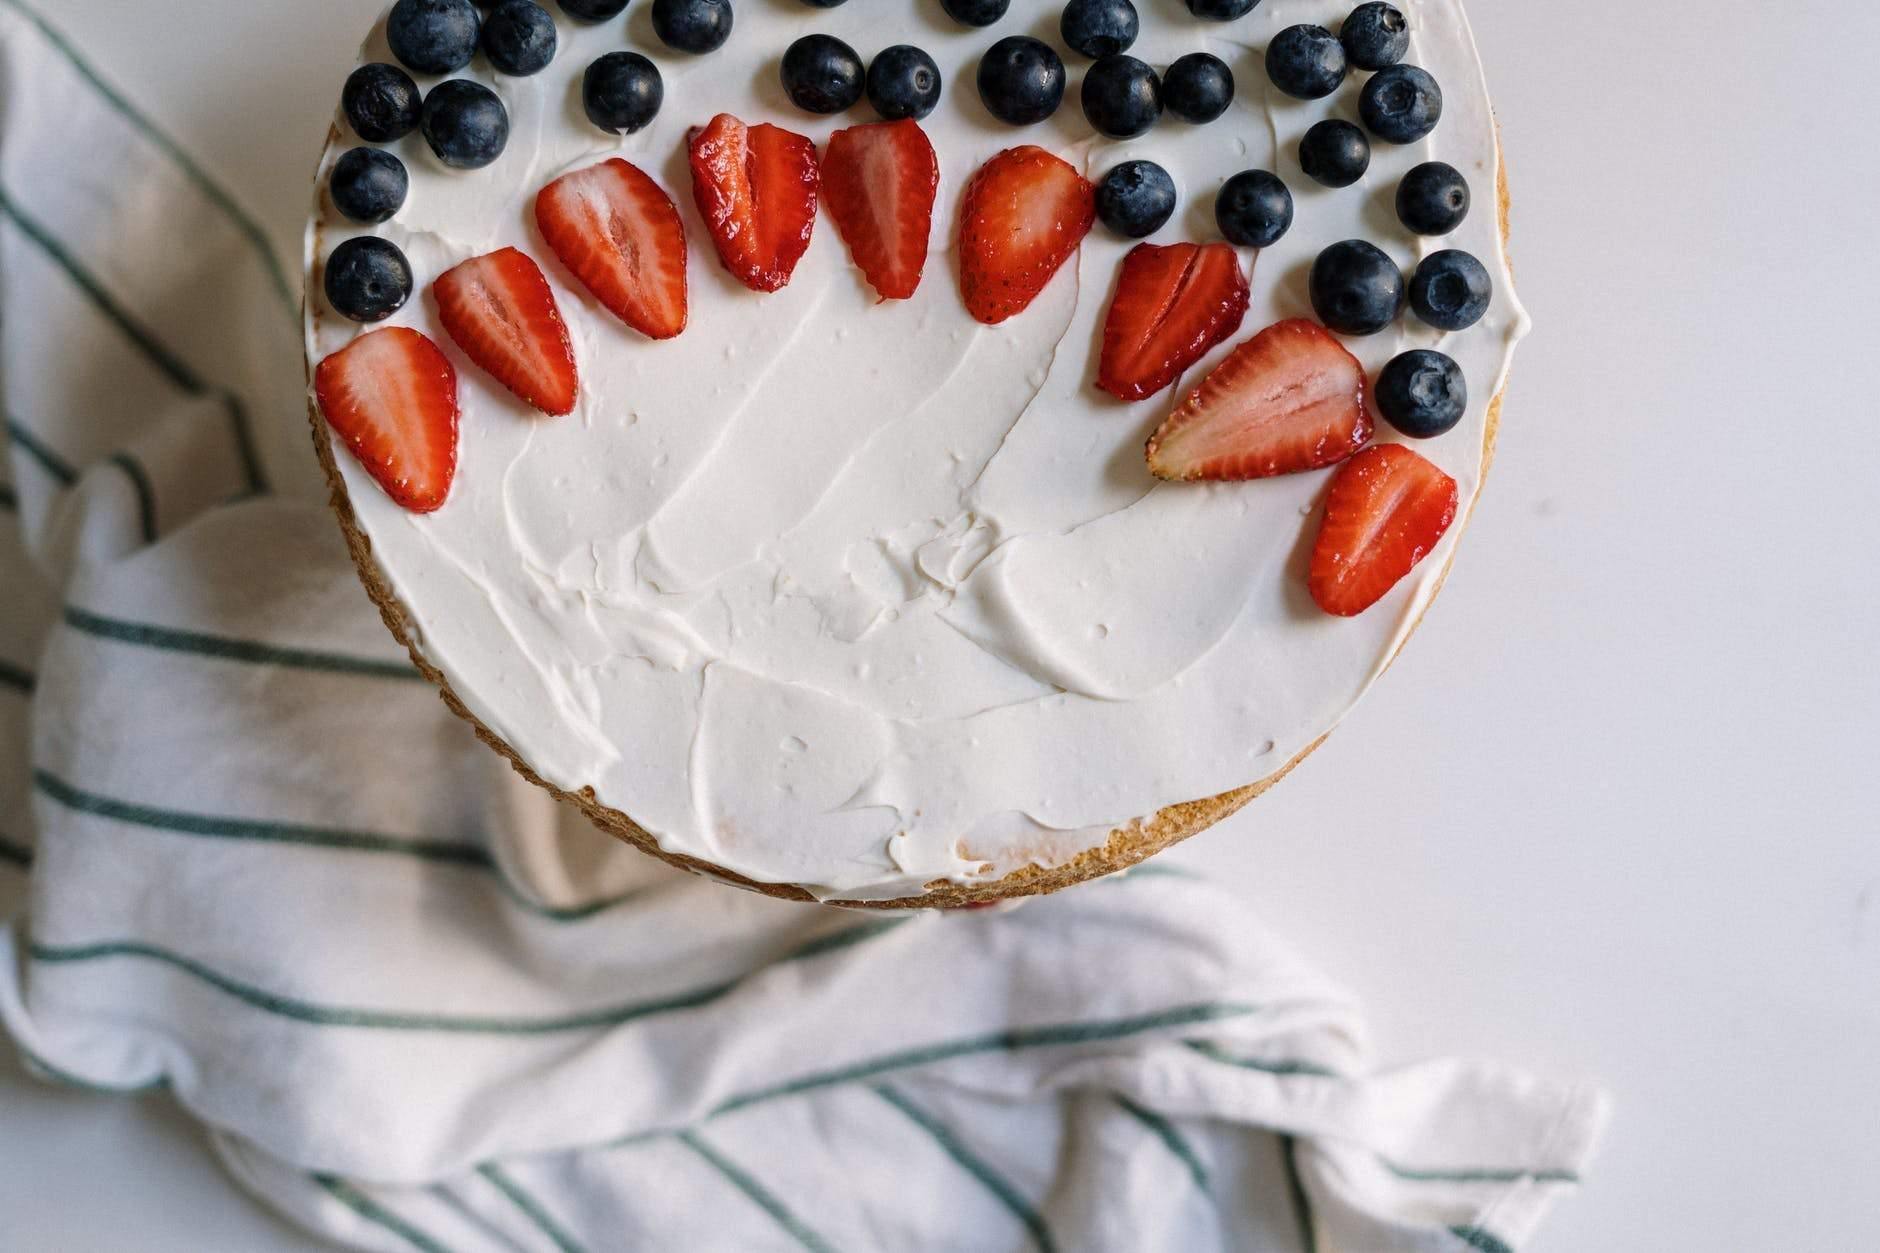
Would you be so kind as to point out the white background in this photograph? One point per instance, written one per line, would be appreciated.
(1613, 814)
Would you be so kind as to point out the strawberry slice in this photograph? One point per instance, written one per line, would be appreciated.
(1025, 213)
(499, 310)
(392, 396)
(1289, 399)
(1387, 509)
(756, 187)
(1172, 304)
(879, 182)
(619, 233)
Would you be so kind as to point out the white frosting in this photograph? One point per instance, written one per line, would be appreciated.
(859, 596)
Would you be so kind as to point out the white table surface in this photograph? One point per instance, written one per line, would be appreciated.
(1612, 814)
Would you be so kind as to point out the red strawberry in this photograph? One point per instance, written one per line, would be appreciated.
(1025, 213)
(1172, 304)
(756, 187)
(879, 181)
(1388, 508)
(392, 396)
(499, 310)
(619, 233)
(1289, 399)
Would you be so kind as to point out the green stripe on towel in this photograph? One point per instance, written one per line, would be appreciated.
(1479, 1174)
(19, 678)
(227, 648)
(974, 1165)
(376, 1214)
(1476, 1238)
(1168, 1134)
(61, 470)
(531, 1208)
(9, 499)
(1282, 1066)
(761, 1196)
(15, 854)
(1301, 1199)
(146, 494)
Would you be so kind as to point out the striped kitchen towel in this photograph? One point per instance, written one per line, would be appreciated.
(248, 858)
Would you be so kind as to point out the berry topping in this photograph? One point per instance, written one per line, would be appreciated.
(1401, 104)
(1306, 62)
(622, 92)
(1024, 214)
(367, 279)
(619, 233)
(433, 36)
(1122, 96)
(1136, 198)
(1423, 394)
(368, 185)
(1451, 290)
(695, 26)
(1221, 10)
(1375, 36)
(1021, 80)
(756, 189)
(1198, 87)
(975, 12)
(1288, 400)
(1387, 510)
(465, 124)
(1335, 153)
(821, 74)
(1099, 28)
(1356, 289)
(1172, 304)
(593, 10)
(903, 82)
(381, 103)
(500, 311)
(1433, 199)
(879, 182)
(1254, 209)
(391, 395)
(519, 38)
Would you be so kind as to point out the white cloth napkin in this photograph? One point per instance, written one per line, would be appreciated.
(248, 856)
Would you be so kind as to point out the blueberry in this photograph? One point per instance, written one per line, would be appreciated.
(1306, 62)
(433, 36)
(1136, 198)
(1222, 10)
(1376, 35)
(903, 82)
(1451, 290)
(1433, 199)
(465, 124)
(1356, 289)
(822, 74)
(1401, 105)
(975, 12)
(1021, 80)
(592, 10)
(381, 103)
(368, 184)
(823, 4)
(1099, 28)
(622, 92)
(367, 279)
(1253, 209)
(1198, 87)
(1122, 96)
(519, 38)
(1335, 153)
(694, 26)
(1422, 394)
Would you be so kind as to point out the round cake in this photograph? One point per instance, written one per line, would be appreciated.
(904, 455)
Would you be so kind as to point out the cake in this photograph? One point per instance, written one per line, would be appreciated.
(767, 477)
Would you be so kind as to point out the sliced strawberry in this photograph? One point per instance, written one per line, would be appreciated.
(1025, 213)
(1172, 304)
(879, 182)
(1388, 508)
(392, 396)
(756, 187)
(499, 310)
(1289, 399)
(619, 233)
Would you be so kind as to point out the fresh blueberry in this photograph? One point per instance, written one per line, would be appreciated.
(1099, 28)
(1222, 10)
(1254, 209)
(1021, 80)
(1335, 153)
(622, 92)
(1433, 198)
(519, 38)
(592, 10)
(1451, 290)
(465, 124)
(1422, 394)
(822, 74)
(1401, 105)
(433, 36)
(975, 12)
(367, 279)
(1198, 87)
(1306, 62)
(1122, 96)
(903, 82)
(1136, 198)
(369, 184)
(1356, 289)
(381, 103)
(1375, 36)
(694, 26)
